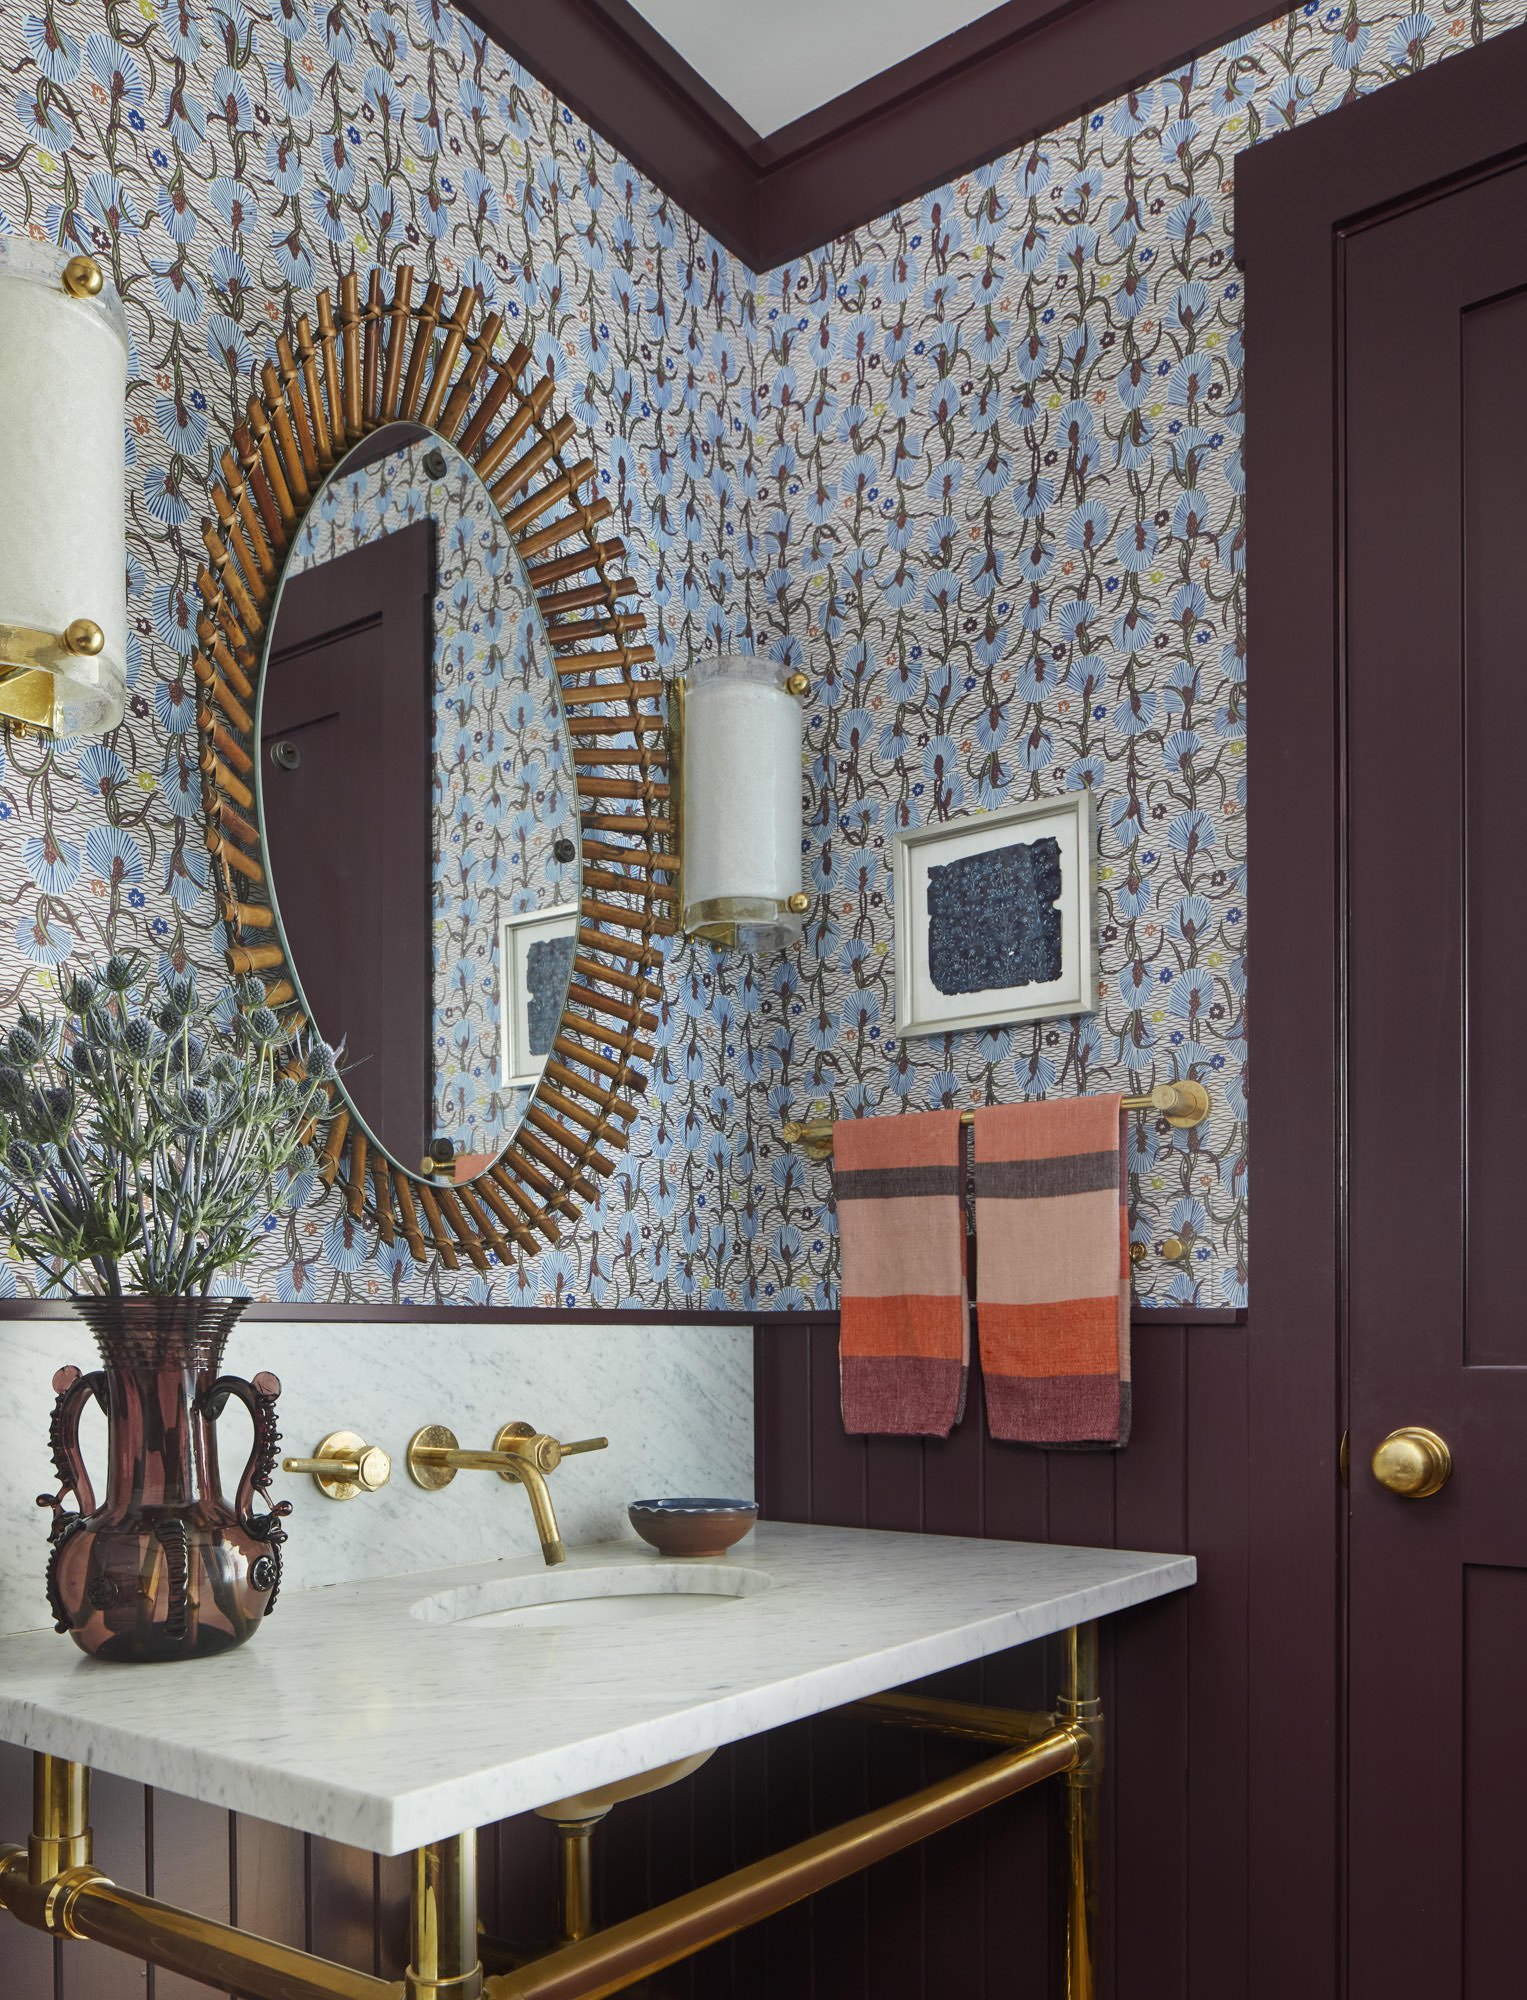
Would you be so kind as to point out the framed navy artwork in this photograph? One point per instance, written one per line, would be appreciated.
(537, 954)
(995, 917)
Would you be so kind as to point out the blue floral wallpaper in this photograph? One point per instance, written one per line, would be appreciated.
(975, 467)
(503, 780)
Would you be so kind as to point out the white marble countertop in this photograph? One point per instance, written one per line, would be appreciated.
(353, 1716)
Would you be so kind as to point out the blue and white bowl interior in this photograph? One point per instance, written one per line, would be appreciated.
(694, 1506)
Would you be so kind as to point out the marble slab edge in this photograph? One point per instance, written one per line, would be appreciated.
(396, 1822)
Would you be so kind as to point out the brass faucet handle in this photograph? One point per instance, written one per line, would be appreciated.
(544, 1452)
(344, 1466)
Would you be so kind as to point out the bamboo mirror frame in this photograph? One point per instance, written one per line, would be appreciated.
(386, 360)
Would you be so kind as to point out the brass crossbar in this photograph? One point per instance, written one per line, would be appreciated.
(84, 1904)
(53, 1885)
(612, 1959)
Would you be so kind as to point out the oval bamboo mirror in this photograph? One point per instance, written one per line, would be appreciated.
(546, 1125)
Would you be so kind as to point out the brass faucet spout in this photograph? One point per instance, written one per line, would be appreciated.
(520, 1453)
(545, 1515)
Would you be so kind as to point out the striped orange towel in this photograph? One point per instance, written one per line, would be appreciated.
(904, 1339)
(1052, 1274)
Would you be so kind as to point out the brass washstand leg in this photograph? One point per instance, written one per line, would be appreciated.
(443, 1964)
(575, 1877)
(60, 1836)
(1080, 1703)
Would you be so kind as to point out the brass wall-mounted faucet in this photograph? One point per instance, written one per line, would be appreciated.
(520, 1452)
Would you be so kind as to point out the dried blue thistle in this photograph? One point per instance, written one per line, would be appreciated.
(24, 1045)
(138, 1037)
(146, 1137)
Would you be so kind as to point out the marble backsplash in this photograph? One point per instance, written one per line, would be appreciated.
(676, 1403)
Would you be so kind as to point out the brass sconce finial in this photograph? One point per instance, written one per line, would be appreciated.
(83, 278)
(84, 637)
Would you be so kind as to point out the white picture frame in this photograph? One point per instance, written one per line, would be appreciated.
(923, 1006)
(522, 1064)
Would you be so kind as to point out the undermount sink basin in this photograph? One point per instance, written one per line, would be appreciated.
(619, 1595)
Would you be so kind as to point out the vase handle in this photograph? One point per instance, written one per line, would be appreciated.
(73, 1392)
(259, 1398)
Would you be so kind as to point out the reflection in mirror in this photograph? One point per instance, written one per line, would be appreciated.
(418, 803)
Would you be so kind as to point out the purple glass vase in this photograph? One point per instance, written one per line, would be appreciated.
(164, 1568)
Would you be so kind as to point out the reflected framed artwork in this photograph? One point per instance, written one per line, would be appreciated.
(536, 961)
(995, 918)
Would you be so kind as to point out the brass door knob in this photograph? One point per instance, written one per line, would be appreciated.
(1413, 1462)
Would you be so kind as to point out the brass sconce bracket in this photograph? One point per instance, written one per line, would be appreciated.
(32, 663)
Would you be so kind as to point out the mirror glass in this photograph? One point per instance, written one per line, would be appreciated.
(417, 801)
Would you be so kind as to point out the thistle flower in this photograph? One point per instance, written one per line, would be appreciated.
(53, 1111)
(138, 1038)
(195, 1108)
(179, 999)
(99, 1026)
(145, 1140)
(24, 1044)
(264, 1024)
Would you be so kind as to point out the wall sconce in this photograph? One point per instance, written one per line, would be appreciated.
(736, 723)
(63, 530)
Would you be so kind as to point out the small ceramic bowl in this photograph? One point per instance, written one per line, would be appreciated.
(692, 1527)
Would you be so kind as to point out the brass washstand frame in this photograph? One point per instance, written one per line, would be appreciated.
(52, 1884)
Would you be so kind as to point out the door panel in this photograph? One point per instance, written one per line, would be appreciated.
(1495, 1753)
(1494, 395)
(1435, 516)
(349, 685)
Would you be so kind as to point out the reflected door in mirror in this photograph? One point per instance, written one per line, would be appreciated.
(346, 730)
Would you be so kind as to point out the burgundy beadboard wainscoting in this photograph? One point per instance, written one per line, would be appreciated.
(973, 1911)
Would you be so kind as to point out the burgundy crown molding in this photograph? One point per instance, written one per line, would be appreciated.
(1025, 68)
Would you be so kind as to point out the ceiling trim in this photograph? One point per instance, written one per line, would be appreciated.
(1019, 71)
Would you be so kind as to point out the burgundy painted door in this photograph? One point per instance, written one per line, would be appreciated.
(346, 746)
(1435, 526)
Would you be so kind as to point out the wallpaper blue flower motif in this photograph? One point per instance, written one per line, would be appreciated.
(503, 781)
(975, 468)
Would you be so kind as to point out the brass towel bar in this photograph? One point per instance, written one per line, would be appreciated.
(1181, 1104)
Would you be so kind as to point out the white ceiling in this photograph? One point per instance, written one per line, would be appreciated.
(775, 60)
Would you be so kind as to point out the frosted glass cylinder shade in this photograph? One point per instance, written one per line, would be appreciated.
(741, 804)
(63, 552)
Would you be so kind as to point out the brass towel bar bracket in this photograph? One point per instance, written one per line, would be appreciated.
(1183, 1105)
(52, 1884)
